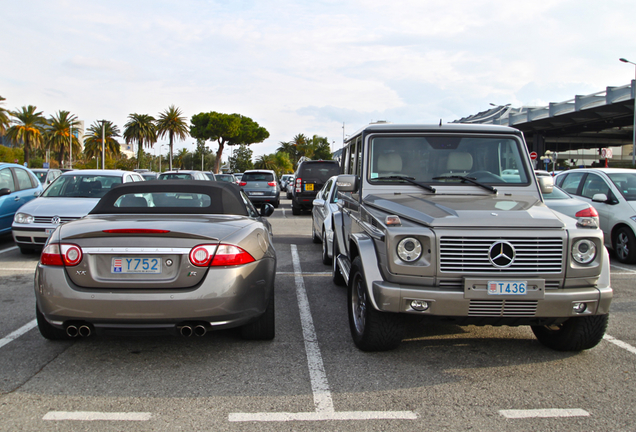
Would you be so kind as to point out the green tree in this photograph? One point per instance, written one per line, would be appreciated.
(58, 138)
(141, 129)
(267, 162)
(226, 129)
(4, 119)
(172, 123)
(278, 162)
(93, 140)
(181, 159)
(322, 148)
(28, 130)
(241, 159)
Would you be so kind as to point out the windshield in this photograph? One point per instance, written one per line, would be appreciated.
(41, 175)
(81, 186)
(225, 177)
(625, 183)
(175, 176)
(446, 159)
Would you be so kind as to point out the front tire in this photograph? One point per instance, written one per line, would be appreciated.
(264, 328)
(47, 330)
(575, 334)
(314, 236)
(624, 245)
(25, 250)
(371, 330)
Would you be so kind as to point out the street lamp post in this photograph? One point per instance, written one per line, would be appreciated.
(634, 95)
(103, 122)
(70, 147)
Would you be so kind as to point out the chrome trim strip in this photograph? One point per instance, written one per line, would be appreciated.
(135, 250)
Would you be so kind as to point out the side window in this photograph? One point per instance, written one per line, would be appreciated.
(250, 207)
(358, 156)
(325, 191)
(572, 181)
(6, 179)
(24, 180)
(593, 185)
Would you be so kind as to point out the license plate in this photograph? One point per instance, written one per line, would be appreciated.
(48, 230)
(507, 287)
(256, 193)
(309, 187)
(135, 265)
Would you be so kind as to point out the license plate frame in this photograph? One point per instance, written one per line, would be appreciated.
(135, 265)
(507, 288)
(257, 193)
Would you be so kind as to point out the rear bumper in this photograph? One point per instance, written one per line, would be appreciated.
(227, 297)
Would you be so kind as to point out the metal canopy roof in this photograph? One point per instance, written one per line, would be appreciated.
(601, 119)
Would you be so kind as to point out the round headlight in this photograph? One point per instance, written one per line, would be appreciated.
(583, 251)
(409, 249)
(23, 218)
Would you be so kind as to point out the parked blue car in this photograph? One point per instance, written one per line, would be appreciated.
(18, 186)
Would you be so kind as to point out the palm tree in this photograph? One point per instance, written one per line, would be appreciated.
(180, 159)
(56, 136)
(28, 130)
(172, 123)
(294, 148)
(93, 140)
(265, 162)
(4, 119)
(142, 130)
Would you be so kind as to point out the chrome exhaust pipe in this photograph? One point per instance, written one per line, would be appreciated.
(200, 330)
(85, 331)
(71, 331)
(186, 331)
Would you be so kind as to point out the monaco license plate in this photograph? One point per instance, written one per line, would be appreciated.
(507, 287)
(135, 265)
(309, 187)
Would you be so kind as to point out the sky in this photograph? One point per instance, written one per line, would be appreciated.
(319, 67)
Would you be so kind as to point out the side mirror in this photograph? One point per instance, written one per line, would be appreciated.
(267, 210)
(347, 183)
(319, 202)
(5, 191)
(601, 198)
(546, 184)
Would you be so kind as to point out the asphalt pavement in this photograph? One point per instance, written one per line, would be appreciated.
(311, 376)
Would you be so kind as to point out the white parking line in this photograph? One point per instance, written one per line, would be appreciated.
(319, 384)
(92, 416)
(16, 334)
(623, 268)
(543, 413)
(9, 249)
(620, 343)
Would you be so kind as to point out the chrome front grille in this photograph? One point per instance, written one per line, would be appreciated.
(470, 255)
(49, 219)
(503, 308)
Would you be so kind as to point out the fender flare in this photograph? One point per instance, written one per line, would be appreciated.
(370, 268)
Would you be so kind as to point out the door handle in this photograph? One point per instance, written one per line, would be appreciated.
(16, 198)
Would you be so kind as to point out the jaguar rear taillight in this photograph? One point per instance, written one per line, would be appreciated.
(201, 255)
(56, 254)
(230, 255)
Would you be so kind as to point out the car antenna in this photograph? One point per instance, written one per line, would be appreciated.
(440, 122)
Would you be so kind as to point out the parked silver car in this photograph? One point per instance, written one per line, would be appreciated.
(612, 192)
(71, 196)
(176, 256)
(322, 211)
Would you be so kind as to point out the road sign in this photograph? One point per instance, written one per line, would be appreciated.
(533, 155)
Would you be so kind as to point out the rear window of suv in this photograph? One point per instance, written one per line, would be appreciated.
(319, 171)
(250, 177)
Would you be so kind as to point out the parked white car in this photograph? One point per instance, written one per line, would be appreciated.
(612, 192)
(324, 205)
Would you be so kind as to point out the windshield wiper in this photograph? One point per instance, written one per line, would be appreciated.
(472, 180)
(408, 179)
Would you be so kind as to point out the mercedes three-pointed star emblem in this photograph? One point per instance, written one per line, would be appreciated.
(501, 254)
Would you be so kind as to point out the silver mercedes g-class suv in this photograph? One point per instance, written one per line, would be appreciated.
(448, 222)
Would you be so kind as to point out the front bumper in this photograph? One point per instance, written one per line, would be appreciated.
(226, 297)
(31, 236)
(553, 303)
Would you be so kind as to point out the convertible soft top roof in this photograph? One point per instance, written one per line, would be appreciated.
(224, 197)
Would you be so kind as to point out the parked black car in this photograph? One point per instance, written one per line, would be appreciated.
(309, 178)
